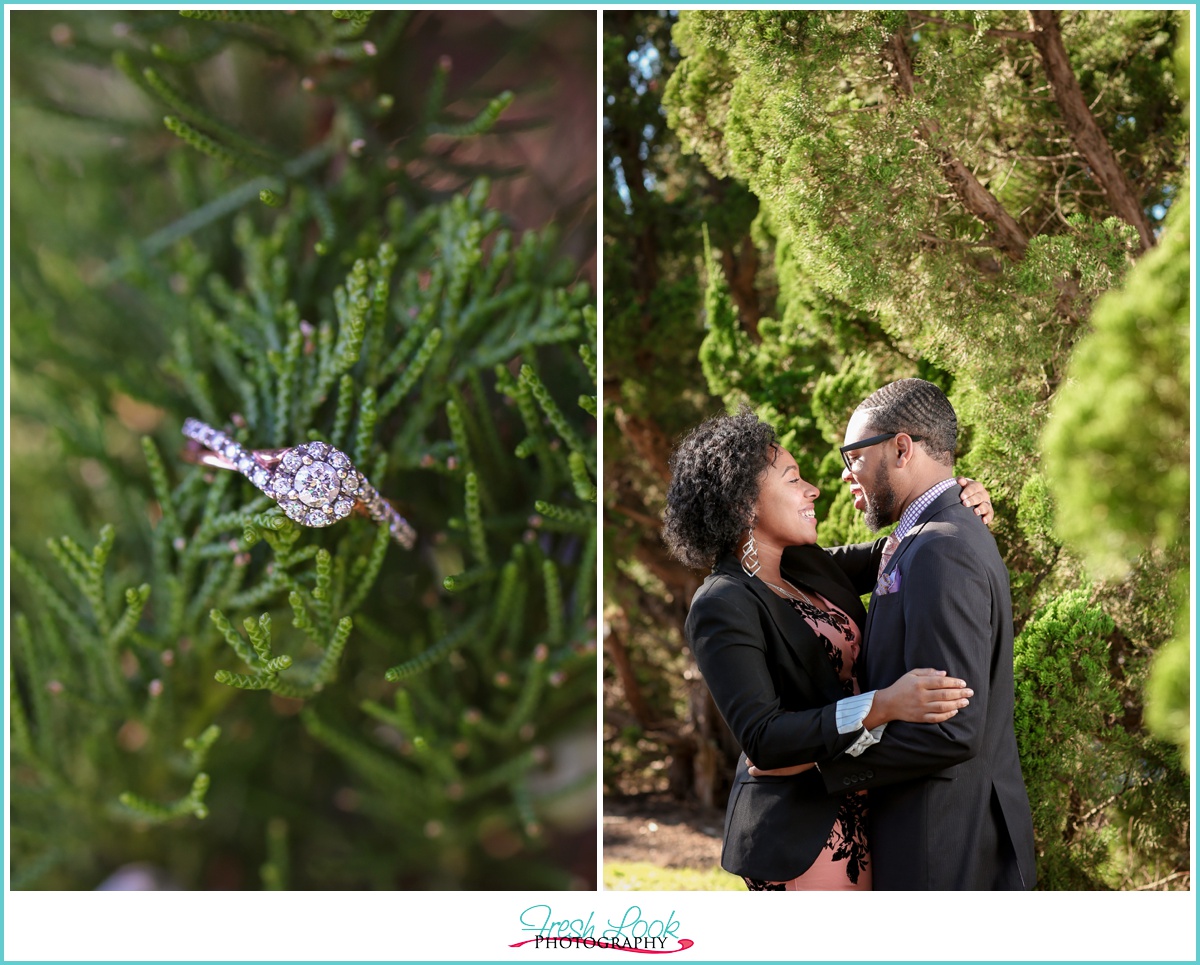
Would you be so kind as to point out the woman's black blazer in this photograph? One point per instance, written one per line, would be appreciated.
(774, 685)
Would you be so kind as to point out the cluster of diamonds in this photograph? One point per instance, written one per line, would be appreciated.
(315, 484)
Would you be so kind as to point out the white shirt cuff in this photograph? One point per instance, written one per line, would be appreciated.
(850, 714)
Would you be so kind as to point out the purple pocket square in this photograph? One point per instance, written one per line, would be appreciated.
(888, 583)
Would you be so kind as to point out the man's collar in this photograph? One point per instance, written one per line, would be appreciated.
(918, 506)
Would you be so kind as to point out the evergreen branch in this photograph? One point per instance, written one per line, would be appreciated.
(573, 519)
(416, 332)
(276, 664)
(77, 566)
(531, 690)
(439, 651)
(210, 147)
(554, 414)
(321, 594)
(30, 659)
(584, 592)
(247, 655)
(475, 530)
(274, 872)
(366, 570)
(356, 19)
(458, 432)
(481, 123)
(523, 800)
(169, 524)
(179, 57)
(376, 767)
(257, 595)
(341, 418)
(438, 760)
(287, 369)
(192, 804)
(581, 480)
(520, 392)
(183, 366)
(435, 91)
(590, 327)
(198, 219)
(327, 669)
(51, 597)
(125, 64)
(209, 590)
(379, 712)
(405, 713)
(513, 629)
(200, 746)
(458, 582)
(386, 259)
(368, 414)
(176, 101)
(554, 612)
(300, 616)
(325, 221)
(505, 607)
(259, 632)
(135, 603)
(588, 354)
(505, 773)
(22, 740)
(244, 681)
(412, 373)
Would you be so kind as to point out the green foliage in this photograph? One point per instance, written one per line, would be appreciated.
(1064, 696)
(1076, 748)
(1117, 446)
(802, 115)
(412, 327)
(952, 228)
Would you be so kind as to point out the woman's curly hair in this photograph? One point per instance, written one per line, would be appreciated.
(715, 481)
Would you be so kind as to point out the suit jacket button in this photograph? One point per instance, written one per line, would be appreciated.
(847, 781)
(870, 774)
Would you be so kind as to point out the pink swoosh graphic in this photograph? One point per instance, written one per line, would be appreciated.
(684, 945)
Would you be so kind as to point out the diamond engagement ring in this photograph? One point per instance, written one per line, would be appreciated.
(314, 483)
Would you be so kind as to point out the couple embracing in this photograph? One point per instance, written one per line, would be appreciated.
(877, 745)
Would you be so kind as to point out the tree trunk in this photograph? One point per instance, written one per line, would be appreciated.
(977, 199)
(618, 655)
(1085, 132)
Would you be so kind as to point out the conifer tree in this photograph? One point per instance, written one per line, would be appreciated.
(949, 195)
(199, 681)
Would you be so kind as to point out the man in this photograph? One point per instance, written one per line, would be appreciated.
(948, 807)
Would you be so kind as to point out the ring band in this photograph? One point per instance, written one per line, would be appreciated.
(314, 483)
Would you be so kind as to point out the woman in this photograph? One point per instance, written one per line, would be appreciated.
(777, 652)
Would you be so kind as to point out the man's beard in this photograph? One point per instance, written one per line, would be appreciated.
(881, 500)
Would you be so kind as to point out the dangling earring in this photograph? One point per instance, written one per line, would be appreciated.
(750, 555)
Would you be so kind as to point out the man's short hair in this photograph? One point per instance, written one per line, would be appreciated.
(918, 408)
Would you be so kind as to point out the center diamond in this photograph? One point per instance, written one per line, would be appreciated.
(317, 484)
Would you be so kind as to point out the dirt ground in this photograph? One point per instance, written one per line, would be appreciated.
(658, 829)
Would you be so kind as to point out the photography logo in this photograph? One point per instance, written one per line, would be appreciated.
(632, 933)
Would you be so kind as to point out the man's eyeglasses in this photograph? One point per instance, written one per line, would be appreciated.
(855, 464)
